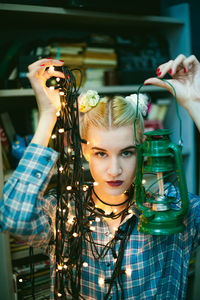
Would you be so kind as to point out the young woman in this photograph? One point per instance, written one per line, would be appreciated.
(152, 267)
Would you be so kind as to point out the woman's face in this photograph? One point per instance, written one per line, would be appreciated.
(112, 159)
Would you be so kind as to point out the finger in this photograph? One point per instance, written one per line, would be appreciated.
(177, 64)
(40, 71)
(53, 74)
(164, 69)
(46, 62)
(189, 62)
(160, 83)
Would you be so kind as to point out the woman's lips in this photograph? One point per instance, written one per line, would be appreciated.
(115, 183)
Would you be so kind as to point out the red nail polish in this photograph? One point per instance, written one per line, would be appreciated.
(158, 70)
(170, 71)
(159, 73)
(185, 70)
(42, 65)
(62, 60)
(48, 58)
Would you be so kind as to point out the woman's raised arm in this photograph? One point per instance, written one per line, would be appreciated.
(185, 73)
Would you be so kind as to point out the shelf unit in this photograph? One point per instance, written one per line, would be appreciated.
(72, 16)
(176, 27)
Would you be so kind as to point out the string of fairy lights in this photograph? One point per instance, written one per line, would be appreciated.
(76, 213)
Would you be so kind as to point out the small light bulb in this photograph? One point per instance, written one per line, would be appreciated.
(85, 264)
(130, 211)
(69, 188)
(20, 280)
(69, 150)
(92, 228)
(70, 221)
(65, 267)
(144, 181)
(61, 169)
(61, 93)
(53, 136)
(97, 219)
(58, 113)
(58, 79)
(75, 234)
(59, 295)
(101, 281)
(61, 130)
(51, 87)
(95, 183)
(51, 68)
(59, 267)
(115, 210)
(128, 271)
(107, 212)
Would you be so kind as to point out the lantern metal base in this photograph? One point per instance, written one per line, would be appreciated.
(153, 226)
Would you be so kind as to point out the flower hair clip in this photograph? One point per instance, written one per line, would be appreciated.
(142, 102)
(88, 100)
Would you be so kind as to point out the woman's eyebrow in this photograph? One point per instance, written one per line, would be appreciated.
(126, 148)
(129, 148)
(97, 148)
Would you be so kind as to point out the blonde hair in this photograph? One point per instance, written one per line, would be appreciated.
(112, 113)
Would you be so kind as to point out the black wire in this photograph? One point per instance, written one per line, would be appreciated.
(32, 271)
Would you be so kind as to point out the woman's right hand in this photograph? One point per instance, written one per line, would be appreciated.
(48, 100)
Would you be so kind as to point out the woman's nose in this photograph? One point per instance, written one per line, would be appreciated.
(114, 168)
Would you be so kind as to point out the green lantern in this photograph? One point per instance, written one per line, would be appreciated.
(160, 160)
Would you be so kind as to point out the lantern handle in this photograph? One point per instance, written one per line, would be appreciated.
(177, 112)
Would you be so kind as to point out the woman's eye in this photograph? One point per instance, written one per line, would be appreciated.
(127, 153)
(100, 154)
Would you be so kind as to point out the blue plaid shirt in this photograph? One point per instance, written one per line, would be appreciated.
(159, 264)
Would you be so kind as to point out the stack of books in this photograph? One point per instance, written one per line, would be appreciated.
(98, 60)
(93, 61)
(26, 283)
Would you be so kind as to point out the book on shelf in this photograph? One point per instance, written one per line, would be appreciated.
(156, 114)
(107, 50)
(100, 55)
(34, 119)
(94, 77)
(71, 60)
(65, 48)
(26, 281)
(8, 126)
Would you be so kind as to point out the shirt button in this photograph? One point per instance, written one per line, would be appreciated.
(38, 175)
(108, 264)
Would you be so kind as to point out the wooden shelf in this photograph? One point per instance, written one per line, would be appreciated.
(104, 89)
(59, 15)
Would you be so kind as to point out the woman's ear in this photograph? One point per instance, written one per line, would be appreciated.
(85, 151)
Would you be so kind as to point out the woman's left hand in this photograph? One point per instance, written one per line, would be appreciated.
(185, 73)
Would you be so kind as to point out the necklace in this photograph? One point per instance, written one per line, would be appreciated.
(109, 203)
